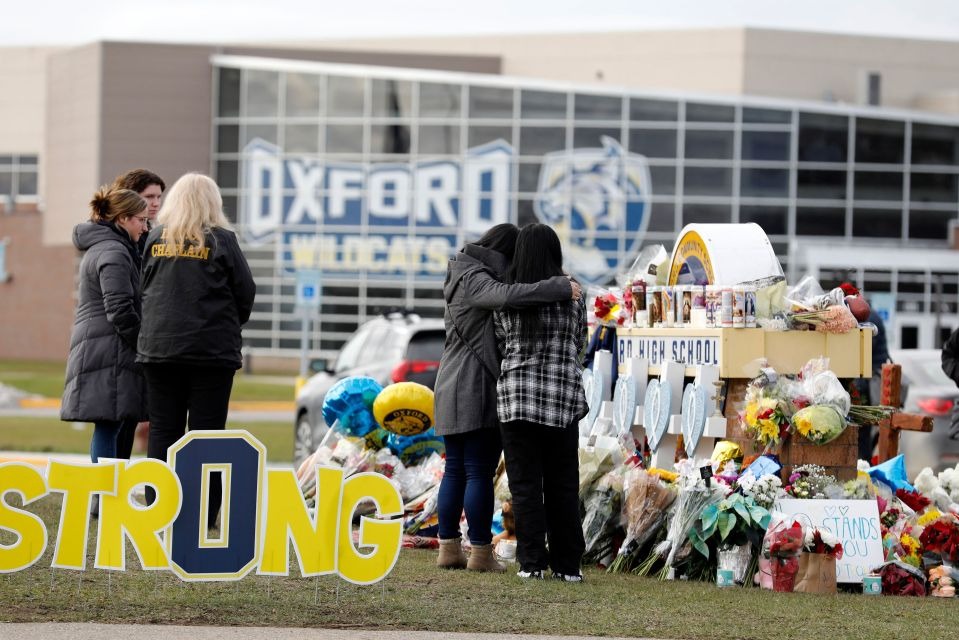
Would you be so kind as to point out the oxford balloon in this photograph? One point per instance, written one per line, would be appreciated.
(350, 402)
(405, 408)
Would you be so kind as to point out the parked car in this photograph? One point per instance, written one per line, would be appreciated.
(394, 348)
(932, 393)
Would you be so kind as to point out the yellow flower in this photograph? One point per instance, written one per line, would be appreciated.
(803, 425)
(768, 430)
(909, 544)
(929, 517)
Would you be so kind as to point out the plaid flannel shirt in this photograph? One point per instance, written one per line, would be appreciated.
(542, 382)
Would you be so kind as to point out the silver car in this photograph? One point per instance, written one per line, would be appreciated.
(394, 348)
(932, 393)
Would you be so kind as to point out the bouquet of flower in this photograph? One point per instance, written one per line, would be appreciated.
(733, 527)
(836, 318)
(817, 564)
(764, 490)
(646, 500)
(822, 541)
(819, 423)
(901, 579)
(870, 415)
(941, 582)
(601, 521)
(764, 417)
(606, 308)
(942, 537)
(809, 481)
(782, 546)
(943, 489)
(913, 499)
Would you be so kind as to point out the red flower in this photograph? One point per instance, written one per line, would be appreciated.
(896, 581)
(941, 537)
(913, 499)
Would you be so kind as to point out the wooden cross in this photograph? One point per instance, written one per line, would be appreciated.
(890, 427)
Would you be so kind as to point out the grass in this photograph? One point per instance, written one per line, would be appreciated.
(417, 596)
(46, 379)
(50, 435)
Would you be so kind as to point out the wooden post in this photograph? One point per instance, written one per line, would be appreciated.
(889, 428)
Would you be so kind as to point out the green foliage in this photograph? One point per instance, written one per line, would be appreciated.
(736, 520)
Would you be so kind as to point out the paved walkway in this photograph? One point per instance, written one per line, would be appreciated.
(89, 631)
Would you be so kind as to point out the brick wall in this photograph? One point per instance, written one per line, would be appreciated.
(36, 303)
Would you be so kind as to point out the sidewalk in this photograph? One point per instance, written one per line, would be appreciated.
(91, 631)
(273, 406)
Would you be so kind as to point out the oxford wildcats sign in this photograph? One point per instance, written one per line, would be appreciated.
(392, 219)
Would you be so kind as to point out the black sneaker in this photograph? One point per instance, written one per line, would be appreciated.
(532, 574)
(568, 577)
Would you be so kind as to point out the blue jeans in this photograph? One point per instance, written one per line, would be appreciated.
(471, 460)
(112, 439)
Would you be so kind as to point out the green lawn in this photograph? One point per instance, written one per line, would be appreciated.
(46, 379)
(50, 435)
(417, 596)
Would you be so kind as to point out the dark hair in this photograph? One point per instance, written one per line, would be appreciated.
(539, 256)
(138, 180)
(500, 238)
(109, 204)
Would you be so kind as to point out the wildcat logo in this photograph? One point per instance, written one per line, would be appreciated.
(598, 202)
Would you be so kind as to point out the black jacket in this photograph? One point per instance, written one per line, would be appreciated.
(950, 356)
(195, 302)
(103, 383)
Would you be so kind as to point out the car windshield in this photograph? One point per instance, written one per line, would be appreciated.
(925, 370)
(426, 345)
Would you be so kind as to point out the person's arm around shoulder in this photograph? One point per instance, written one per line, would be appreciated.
(119, 296)
(241, 278)
(483, 291)
(581, 328)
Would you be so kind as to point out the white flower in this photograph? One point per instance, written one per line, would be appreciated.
(862, 465)
(926, 481)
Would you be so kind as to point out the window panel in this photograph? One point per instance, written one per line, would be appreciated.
(345, 97)
(27, 183)
(440, 100)
(766, 116)
(6, 183)
(534, 141)
(877, 223)
(820, 221)
(592, 107)
(344, 138)
(701, 112)
(823, 137)
(301, 138)
(529, 177)
(706, 213)
(662, 217)
(933, 187)
(930, 225)
(707, 181)
(542, 105)
(391, 98)
(592, 136)
(228, 98)
(302, 95)
(764, 183)
(765, 145)
(711, 145)
(878, 185)
(228, 138)
(934, 144)
(653, 143)
(265, 132)
(826, 185)
(491, 102)
(439, 139)
(262, 93)
(390, 138)
(479, 135)
(663, 179)
(880, 141)
(653, 110)
(773, 219)
(227, 174)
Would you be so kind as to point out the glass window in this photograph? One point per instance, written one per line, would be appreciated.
(930, 225)
(880, 140)
(707, 181)
(440, 100)
(663, 179)
(711, 145)
(392, 98)
(662, 217)
(301, 138)
(228, 138)
(591, 107)
(754, 115)
(27, 161)
(877, 223)
(542, 105)
(706, 213)
(933, 187)
(878, 185)
(524, 211)
(700, 112)
(227, 173)
(6, 160)
(534, 141)
(229, 93)
(230, 207)
(262, 93)
(265, 132)
(390, 138)
(529, 177)
(764, 183)
(479, 135)
(823, 138)
(773, 219)
(934, 144)
(302, 95)
(27, 183)
(653, 143)
(491, 102)
(349, 354)
(345, 97)
(344, 138)
(439, 139)
(381, 337)
(6, 183)
(828, 185)
(592, 136)
(765, 145)
(820, 221)
(653, 110)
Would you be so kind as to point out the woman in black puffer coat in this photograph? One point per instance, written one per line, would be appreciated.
(104, 384)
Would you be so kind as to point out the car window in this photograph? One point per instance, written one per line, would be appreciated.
(925, 371)
(350, 351)
(426, 345)
(374, 349)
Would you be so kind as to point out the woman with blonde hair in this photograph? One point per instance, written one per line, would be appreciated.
(103, 383)
(197, 293)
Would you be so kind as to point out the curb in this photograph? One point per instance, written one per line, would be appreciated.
(240, 405)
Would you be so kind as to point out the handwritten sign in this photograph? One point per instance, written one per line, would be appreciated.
(854, 522)
(689, 350)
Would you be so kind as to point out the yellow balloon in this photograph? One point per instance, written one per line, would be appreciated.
(405, 408)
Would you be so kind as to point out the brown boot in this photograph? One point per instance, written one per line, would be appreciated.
(451, 554)
(482, 559)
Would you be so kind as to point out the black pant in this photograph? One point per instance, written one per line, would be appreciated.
(543, 467)
(177, 393)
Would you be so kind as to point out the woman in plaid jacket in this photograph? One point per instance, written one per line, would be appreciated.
(540, 401)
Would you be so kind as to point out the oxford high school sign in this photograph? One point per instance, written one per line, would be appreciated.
(394, 219)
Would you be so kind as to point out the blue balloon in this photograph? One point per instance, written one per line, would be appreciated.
(412, 449)
(350, 402)
(892, 473)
